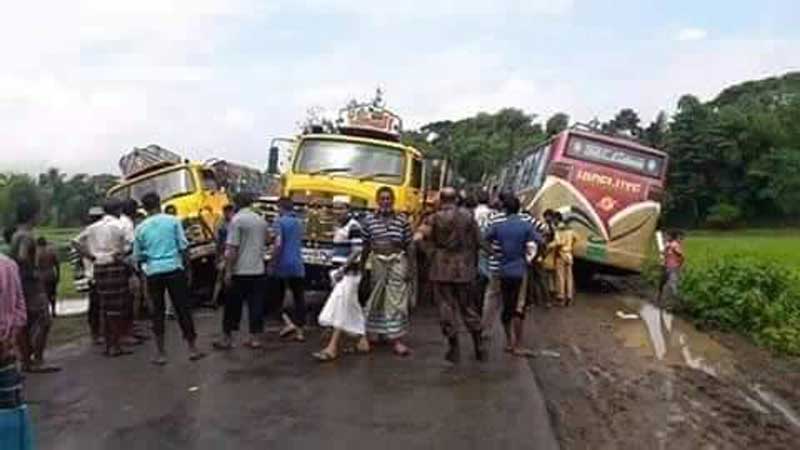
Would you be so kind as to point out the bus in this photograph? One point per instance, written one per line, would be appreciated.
(609, 190)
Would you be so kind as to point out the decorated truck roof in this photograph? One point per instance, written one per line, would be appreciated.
(141, 160)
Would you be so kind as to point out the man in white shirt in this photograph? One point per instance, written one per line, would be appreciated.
(105, 245)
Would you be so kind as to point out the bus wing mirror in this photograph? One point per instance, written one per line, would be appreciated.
(272, 164)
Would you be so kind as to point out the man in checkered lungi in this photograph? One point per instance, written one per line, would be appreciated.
(105, 244)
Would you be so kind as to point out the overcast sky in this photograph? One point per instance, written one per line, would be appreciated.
(82, 81)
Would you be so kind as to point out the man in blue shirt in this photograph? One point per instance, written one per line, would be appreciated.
(159, 248)
(514, 236)
(287, 267)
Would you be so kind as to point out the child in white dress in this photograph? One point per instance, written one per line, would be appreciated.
(342, 311)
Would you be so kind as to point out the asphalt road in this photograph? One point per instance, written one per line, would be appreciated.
(280, 398)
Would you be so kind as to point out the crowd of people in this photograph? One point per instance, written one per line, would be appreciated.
(483, 260)
(479, 258)
(486, 261)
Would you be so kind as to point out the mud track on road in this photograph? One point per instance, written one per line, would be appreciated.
(619, 373)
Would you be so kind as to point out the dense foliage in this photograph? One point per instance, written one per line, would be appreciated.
(756, 297)
(64, 200)
(479, 143)
(733, 159)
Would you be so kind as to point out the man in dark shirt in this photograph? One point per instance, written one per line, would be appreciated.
(455, 238)
(514, 235)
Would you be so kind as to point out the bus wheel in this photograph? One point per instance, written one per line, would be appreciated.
(584, 275)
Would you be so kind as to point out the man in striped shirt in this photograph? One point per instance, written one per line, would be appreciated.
(492, 299)
(387, 244)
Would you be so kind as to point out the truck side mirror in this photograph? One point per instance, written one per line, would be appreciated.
(272, 163)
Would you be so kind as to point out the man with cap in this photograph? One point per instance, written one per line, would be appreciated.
(105, 244)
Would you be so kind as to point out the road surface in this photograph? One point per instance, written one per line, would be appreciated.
(280, 398)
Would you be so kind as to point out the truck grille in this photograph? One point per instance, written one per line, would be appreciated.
(319, 218)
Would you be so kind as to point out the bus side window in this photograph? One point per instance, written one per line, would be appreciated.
(542, 157)
(209, 181)
(416, 173)
(527, 170)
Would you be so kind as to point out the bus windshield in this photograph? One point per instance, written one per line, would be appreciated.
(166, 185)
(351, 159)
(627, 159)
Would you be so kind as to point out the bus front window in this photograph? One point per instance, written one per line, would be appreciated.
(166, 185)
(351, 159)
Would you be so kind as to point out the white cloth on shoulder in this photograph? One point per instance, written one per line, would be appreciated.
(342, 309)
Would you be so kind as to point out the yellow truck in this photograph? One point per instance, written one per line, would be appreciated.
(189, 190)
(352, 158)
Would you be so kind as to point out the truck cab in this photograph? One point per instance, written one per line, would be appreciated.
(188, 190)
(351, 159)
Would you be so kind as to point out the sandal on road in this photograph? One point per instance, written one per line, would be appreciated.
(115, 353)
(523, 353)
(287, 330)
(324, 356)
(363, 349)
(222, 345)
(254, 345)
(160, 361)
(401, 350)
(197, 356)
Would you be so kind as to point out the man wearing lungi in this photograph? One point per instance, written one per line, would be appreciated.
(104, 243)
(388, 255)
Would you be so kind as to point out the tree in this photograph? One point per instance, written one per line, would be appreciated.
(655, 135)
(478, 144)
(690, 178)
(782, 185)
(15, 190)
(557, 123)
(625, 120)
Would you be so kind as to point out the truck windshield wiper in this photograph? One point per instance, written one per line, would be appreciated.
(329, 170)
(372, 176)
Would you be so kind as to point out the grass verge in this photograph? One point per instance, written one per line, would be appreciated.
(746, 281)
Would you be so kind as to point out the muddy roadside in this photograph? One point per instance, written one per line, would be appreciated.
(619, 373)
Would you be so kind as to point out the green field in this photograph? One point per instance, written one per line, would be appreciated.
(782, 246)
(60, 237)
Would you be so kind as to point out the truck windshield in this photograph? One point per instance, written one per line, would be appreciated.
(166, 185)
(351, 159)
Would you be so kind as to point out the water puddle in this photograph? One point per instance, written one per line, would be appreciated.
(777, 403)
(72, 307)
(658, 333)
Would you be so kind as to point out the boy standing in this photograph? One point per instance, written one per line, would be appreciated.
(565, 241)
(673, 263)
